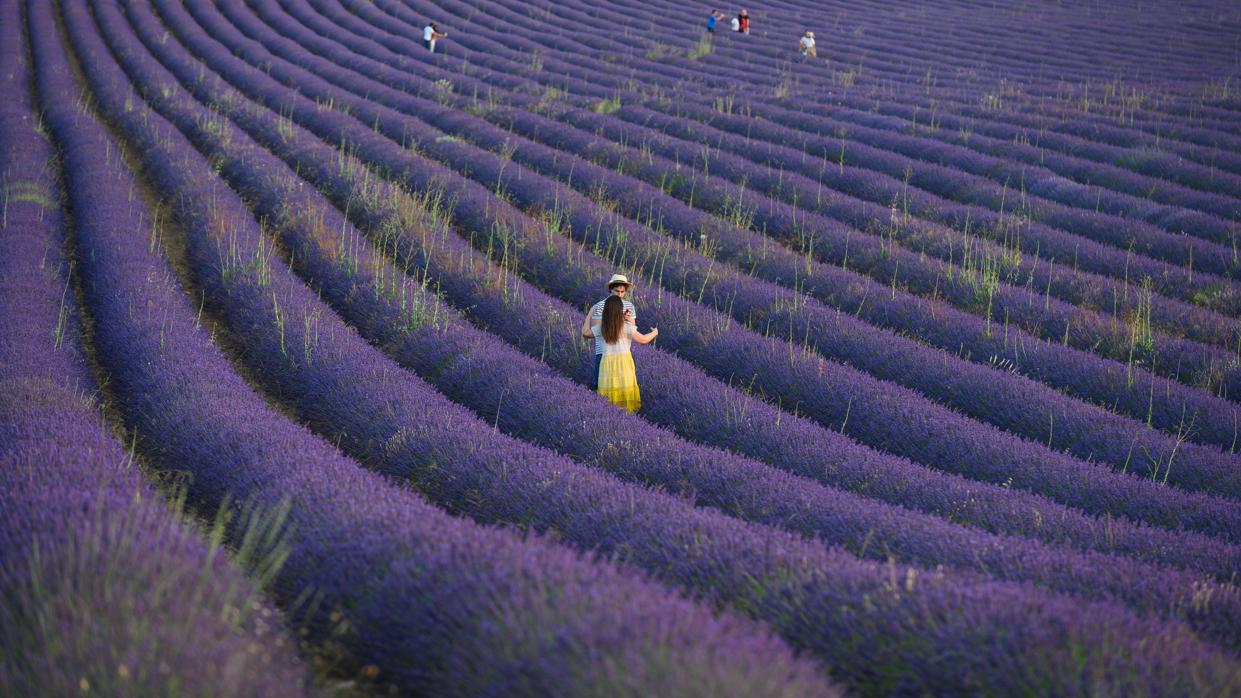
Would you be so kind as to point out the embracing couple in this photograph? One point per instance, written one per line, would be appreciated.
(613, 324)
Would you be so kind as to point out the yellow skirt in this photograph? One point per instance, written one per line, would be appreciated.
(618, 381)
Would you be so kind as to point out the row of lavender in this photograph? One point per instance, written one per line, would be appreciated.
(472, 367)
(833, 394)
(236, 297)
(839, 337)
(104, 585)
(438, 604)
(871, 253)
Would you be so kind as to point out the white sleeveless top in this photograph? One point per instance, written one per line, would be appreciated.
(622, 345)
(596, 316)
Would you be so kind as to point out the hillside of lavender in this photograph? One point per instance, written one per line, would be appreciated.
(295, 398)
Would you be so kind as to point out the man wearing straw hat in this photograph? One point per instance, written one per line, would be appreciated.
(618, 285)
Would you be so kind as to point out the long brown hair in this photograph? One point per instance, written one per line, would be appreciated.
(613, 319)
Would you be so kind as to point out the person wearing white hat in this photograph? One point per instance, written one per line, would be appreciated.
(618, 285)
(807, 45)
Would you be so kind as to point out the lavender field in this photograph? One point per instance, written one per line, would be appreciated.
(946, 398)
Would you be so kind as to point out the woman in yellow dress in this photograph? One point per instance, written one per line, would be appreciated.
(618, 381)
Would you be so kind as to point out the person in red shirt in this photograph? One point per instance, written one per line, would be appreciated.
(743, 22)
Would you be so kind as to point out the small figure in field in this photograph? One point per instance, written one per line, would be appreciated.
(430, 34)
(736, 24)
(713, 20)
(618, 379)
(743, 22)
(807, 45)
(618, 287)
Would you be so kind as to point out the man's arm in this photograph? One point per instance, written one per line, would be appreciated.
(586, 333)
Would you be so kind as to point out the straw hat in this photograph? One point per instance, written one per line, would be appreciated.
(810, 34)
(618, 280)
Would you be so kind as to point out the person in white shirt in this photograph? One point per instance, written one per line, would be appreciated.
(807, 45)
(618, 286)
(736, 24)
(430, 34)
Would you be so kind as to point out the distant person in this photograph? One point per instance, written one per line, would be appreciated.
(430, 34)
(743, 21)
(736, 24)
(713, 20)
(618, 379)
(807, 45)
(618, 287)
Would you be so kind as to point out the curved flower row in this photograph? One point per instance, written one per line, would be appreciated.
(1099, 147)
(880, 413)
(437, 604)
(1097, 240)
(1067, 179)
(809, 591)
(97, 571)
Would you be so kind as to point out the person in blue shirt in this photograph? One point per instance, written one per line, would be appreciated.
(713, 19)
